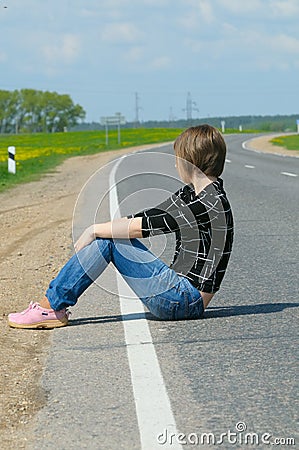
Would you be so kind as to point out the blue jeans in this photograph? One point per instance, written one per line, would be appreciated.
(166, 294)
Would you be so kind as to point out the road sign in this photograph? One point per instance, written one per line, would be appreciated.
(118, 120)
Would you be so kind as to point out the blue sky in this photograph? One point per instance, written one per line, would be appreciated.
(235, 57)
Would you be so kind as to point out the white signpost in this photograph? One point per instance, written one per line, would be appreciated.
(118, 120)
(223, 126)
(11, 160)
(297, 126)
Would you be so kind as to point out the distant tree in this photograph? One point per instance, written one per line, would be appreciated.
(61, 112)
(30, 110)
(9, 104)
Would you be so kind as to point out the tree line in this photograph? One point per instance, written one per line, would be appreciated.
(260, 123)
(33, 111)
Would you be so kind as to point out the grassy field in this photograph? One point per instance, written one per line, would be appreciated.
(288, 142)
(41, 152)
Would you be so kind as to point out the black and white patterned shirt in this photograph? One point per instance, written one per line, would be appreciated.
(204, 229)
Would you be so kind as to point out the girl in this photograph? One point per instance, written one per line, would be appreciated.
(200, 216)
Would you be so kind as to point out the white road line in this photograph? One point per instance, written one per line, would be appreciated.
(153, 409)
(289, 174)
(249, 167)
(228, 160)
(245, 146)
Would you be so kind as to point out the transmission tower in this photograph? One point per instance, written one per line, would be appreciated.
(137, 109)
(171, 115)
(190, 106)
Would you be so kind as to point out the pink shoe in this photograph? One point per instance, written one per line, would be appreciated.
(37, 317)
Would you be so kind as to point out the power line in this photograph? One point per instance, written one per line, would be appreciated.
(190, 106)
(137, 109)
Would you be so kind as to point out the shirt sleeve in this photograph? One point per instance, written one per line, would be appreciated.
(171, 216)
(160, 219)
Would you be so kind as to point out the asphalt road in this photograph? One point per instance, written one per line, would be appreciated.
(237, 366)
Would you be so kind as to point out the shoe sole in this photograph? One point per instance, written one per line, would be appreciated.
(45, 324)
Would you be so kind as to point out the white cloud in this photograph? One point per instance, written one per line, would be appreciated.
(260, 49)
(266, 9)
(3, 57)
(162, 62)
(139, 56)
(157, 3)
(87, 12)
(140, 43)
(98, 13)
(196, 46)
(70, 47)
(189, 21)
(134, 54)
(65, 48)
(201, 13)
(114, 3)
(284, 8)
(120, 33)
(228, 28)
(278, 46)
(284, 43)
(266, 64)
(241, 7)
(206, 11)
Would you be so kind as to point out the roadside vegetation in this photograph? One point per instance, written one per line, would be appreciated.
(260, 124)
(32, 111)
(39, 153)
(288, 142)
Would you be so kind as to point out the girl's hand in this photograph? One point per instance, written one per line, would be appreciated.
(86, 238)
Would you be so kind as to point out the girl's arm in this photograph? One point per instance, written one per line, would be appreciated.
(119, 229)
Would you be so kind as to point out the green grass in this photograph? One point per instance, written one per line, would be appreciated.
(288, 142)
(39, 153)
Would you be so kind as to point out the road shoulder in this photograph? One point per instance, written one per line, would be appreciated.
(263, 144)
(35, 242)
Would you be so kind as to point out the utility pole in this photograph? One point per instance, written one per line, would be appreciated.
(171, 116)
(137, 109)
(190, 107)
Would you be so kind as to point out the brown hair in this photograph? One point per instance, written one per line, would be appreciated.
(204, 147)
